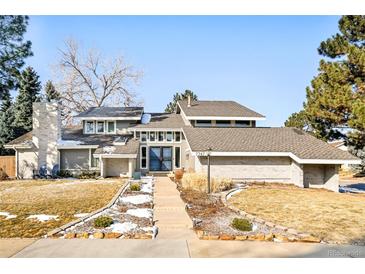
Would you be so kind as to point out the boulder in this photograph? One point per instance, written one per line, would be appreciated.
(83, 235)
(112, 235)
(241, 237)
(98, 235)
(283, 228)
(269, 237)
(213, 237)
(269, 224)
(70, 235)
(310, 239)
(281, 238)
(226, 237)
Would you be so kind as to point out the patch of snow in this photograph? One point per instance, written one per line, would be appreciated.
(233, 193)
(137, 199)
(147, 187)
(80, 215)
(108, 149)
(61, 142)
(123, 227)
(146, 118)
(147, 228)
(43, 217)
(7, 215)
(140, 212)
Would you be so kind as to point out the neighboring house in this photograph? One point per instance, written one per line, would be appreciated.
(340, 144)
(118, 141)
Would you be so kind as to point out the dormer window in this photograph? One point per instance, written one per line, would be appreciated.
(100, 127)
(89, 127)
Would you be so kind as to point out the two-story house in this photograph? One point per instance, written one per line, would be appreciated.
(118, 141)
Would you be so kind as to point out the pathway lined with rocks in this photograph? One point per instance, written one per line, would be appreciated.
(169, 212)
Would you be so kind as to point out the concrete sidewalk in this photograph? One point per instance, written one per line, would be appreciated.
(117, 248)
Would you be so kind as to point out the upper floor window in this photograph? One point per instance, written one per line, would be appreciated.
(203, 123)
(152, 136)
(111, 126)
(243, 123)
(143, 136)
(223, 123)
(100, 127)
(169, 136)
(89, 127)
(161, 136)
(177, 136)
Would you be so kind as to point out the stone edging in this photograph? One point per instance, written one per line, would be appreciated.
(82, 219)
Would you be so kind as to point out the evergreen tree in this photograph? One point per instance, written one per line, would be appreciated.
(13, 51)
(336, 98)
(6, 123)
(51, 92)
(171, 107)
(29, 92)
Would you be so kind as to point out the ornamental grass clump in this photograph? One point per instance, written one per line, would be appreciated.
(135, 187)
(103, 221)
(199, 181)
(241, 224)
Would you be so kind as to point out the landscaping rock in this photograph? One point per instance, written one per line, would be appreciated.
(281, 238)
(241, 238)
(283, 228)
(269, 224)
(213, 237)
(112, 235)
(259, 221)
(83, 235)
(269, 237)
(199, 233)
(70, 235)
(310, 239)
(226, 237)
(98, 235)
(292, 231)
(260, 237)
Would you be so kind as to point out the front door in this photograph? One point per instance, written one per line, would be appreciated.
(160, 158)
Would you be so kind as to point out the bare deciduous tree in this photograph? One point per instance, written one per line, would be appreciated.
(91, 80)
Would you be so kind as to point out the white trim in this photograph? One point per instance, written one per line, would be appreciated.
(282, 154)
(225, 118)
(122, 156)
(96, 128)
(107, 126)
(18, 146)
(109, 118)
(85, 127)
(154, 129)
(77, 147)
(140, 158)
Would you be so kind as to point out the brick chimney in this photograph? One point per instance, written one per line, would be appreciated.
(46, 132)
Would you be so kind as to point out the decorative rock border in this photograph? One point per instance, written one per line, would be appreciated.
(286, 235)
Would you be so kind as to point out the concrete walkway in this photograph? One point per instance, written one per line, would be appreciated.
(169, 212)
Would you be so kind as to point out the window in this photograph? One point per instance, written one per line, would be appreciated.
(177, 157)
(111, 127)
(100, 127)
(223, 123)
(160, 136)
(89, 127)
(143, 157)
(152, 136)
(143, 136)
(138, 134)
(203, 123)
(169, 136)
(177, 136)
(243, 123)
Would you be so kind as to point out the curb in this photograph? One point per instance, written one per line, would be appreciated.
(83, 219)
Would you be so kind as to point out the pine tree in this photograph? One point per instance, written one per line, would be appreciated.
(171, 107)
(29, 92)
(6, 123)
(13, 51)
(336, 98)
(51, 92)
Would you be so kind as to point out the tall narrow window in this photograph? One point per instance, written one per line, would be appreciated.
(100, 127)
(177, 136)
(169, 136)
(160, 136)
(152, 136)
(143, 157)
(111, 127)
(89, 127)
(177, 157)
(143, 136)
(138, 134)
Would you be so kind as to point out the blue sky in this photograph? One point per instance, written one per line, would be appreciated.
(263, 62)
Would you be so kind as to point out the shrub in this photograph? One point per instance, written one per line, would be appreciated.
(3, 175)
(135, 187)
(88, 174)
(179, 174)
(103, 221)
(199, 181)
(241, 224)
(64, 173)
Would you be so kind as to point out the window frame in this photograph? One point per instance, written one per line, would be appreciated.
(163, 136)
(143, 158)
(179, 134)
(107, 127)
(141, 136)
(86, 128)
(179, 148)
(172, 136)
(96, 128)
(155, 135)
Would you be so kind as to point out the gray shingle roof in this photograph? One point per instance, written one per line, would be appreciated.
(301, 144)
(163, 120)
(131, 147)
(111, 112)
(24, 139)
(217, 108)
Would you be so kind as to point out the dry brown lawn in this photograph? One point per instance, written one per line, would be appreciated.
(335, 217)
(59, 197)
